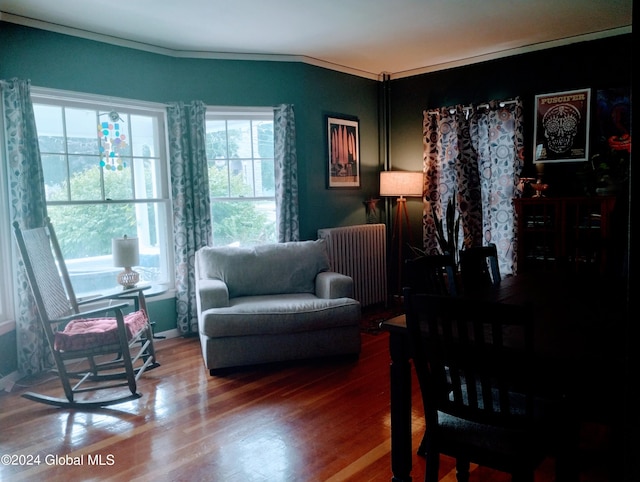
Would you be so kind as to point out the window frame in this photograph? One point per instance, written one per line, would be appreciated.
(7, 264)
(162, 186)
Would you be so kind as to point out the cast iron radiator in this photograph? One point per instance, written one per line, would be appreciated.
(360, 252)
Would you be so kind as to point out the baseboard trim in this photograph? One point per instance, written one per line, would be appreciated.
(8, 381)
(174, 333)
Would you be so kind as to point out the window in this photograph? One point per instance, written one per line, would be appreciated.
(6, 268)
(241, 176)
(105, 172)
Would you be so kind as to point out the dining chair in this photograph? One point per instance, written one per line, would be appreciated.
(94, 350)
(434, 274)
(475, 364)
(479, 267)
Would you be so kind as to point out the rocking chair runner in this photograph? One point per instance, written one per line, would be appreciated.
(100, 341)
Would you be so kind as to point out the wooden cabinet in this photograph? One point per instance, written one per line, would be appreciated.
(563, 234)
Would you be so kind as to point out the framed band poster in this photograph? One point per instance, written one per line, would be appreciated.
(562, 126)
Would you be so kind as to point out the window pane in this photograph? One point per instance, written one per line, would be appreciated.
(85, 233)
(243, 222)
(117, 184)
(216, 139)
(54, 168)
(81, 131)
(239, 138)
(263, 139)
(218, 179)
(241, 178)
(143, 141)
(147, 175)
(265, 178)
(86, 183)
(49, 126)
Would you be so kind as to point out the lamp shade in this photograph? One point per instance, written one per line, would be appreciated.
(125, 252)
(401, 183)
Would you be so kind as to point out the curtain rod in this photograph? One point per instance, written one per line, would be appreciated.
(479, 106)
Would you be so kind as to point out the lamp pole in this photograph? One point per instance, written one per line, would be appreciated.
(401, 212)
(401, 184)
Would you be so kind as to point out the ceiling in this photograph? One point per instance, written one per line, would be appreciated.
(364, 37)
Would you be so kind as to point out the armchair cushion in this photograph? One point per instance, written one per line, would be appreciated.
(266, 269)
(275, 314)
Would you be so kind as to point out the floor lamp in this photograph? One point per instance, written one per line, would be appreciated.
(401, 184)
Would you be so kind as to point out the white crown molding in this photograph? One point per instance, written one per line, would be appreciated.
(85, 34)
(29, 22)
(514, 51)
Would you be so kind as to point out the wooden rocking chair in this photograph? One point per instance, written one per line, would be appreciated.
(100, 341)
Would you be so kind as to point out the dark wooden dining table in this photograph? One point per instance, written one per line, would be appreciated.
(580, 323)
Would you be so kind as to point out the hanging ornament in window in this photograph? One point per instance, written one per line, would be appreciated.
(112, 142)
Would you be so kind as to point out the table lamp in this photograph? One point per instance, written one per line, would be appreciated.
(401, 184)
(125, 255)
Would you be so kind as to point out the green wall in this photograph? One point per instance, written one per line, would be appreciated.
(68, 63)
(8, 353)
(64, 62)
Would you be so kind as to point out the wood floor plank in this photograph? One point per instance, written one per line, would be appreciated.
(319, 420)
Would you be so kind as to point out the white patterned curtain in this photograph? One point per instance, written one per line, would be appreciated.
(27, 207)
(476, 153)
(286, 173)
(191, 202)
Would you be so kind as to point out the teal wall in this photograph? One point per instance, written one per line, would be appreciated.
(163, 314)
(63, 62)
(8, 353)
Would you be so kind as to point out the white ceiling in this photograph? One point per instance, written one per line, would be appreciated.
(364, 37)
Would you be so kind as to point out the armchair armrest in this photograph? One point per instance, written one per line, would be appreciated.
(330, 284)
(211, 293)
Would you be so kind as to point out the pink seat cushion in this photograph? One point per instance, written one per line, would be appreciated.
(83, 334)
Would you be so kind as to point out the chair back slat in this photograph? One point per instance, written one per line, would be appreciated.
(434, 274)
(473, 357)
(479, 268)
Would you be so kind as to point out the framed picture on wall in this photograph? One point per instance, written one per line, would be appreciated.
(562, 126)
(612, 120)
(343, 163)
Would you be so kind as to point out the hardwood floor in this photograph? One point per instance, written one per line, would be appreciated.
(325, 420)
